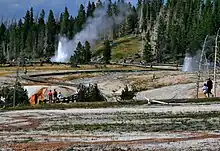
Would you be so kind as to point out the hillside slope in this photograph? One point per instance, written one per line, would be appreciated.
(122, 48)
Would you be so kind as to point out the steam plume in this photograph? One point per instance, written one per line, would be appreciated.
(100, 24)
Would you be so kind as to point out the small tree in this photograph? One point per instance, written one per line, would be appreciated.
(21, 95)
(2, 58)
(107, 52)
(148, 55)
(78, 55)
(96, 94)
(89, 94)
(81, 97)
(73, 61)
(88, 54)
(126, 94)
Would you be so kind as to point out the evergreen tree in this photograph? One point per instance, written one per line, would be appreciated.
(107, 52)
(148, 55)
(19, 38)
(132, 21)
(79, 55)
(216, 15)
(21, 95)
(88, 54)
(2, 58)
(40, 52)
(2, 31)
(71, 31)
(110, 8)
(161, 39)
(31, 17)
(51, 34)
(65, 22)
(29, 44)
(207, 18)
(26, 27)
(89, 10)
(99, 4)
(2, 38)
(81, 18)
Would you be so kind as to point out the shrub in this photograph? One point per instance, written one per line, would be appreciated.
(126, 94)
(89, 94)
(21, 95)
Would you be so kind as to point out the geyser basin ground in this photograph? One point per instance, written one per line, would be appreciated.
(184, 127)
(166, 85)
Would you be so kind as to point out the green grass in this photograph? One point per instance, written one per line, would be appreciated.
(123, 47)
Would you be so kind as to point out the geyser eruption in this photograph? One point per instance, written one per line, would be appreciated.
(190, 63)
(64, 50)
(101, 24)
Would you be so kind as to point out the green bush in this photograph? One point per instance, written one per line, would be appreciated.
(126, 94)
(21, 95)
(90, 94)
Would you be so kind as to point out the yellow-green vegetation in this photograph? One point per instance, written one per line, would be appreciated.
(4, 71)
(124, 47)
(80, 75)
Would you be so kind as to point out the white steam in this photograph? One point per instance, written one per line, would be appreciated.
(64, 49)
(191, 63)
(100, 24)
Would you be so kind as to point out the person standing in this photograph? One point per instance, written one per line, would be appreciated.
(55, 95)
(210, 86)
(50, 94)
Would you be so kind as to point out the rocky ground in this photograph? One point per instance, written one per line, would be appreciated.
(182, 127)
(169, 84)
(145, 127)
(148, 84)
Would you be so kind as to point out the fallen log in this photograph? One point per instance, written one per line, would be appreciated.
(155, 101)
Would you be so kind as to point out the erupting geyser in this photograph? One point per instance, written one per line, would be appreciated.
(65, 49)
(190, 63)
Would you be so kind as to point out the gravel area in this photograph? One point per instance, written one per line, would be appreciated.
(182, 127)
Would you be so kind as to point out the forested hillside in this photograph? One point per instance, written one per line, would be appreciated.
(167, 30)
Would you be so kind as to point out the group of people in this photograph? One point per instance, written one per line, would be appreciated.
(207, 87)
(54, 96)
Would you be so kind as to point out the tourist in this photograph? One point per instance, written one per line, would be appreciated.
(209, 85)
(205, 89)
(55, 95)
(50, 94)
(60, 96)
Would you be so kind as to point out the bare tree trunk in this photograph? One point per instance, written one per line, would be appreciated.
(200, 64)
(215, 63)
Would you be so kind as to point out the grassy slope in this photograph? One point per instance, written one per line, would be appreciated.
(123, 47)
